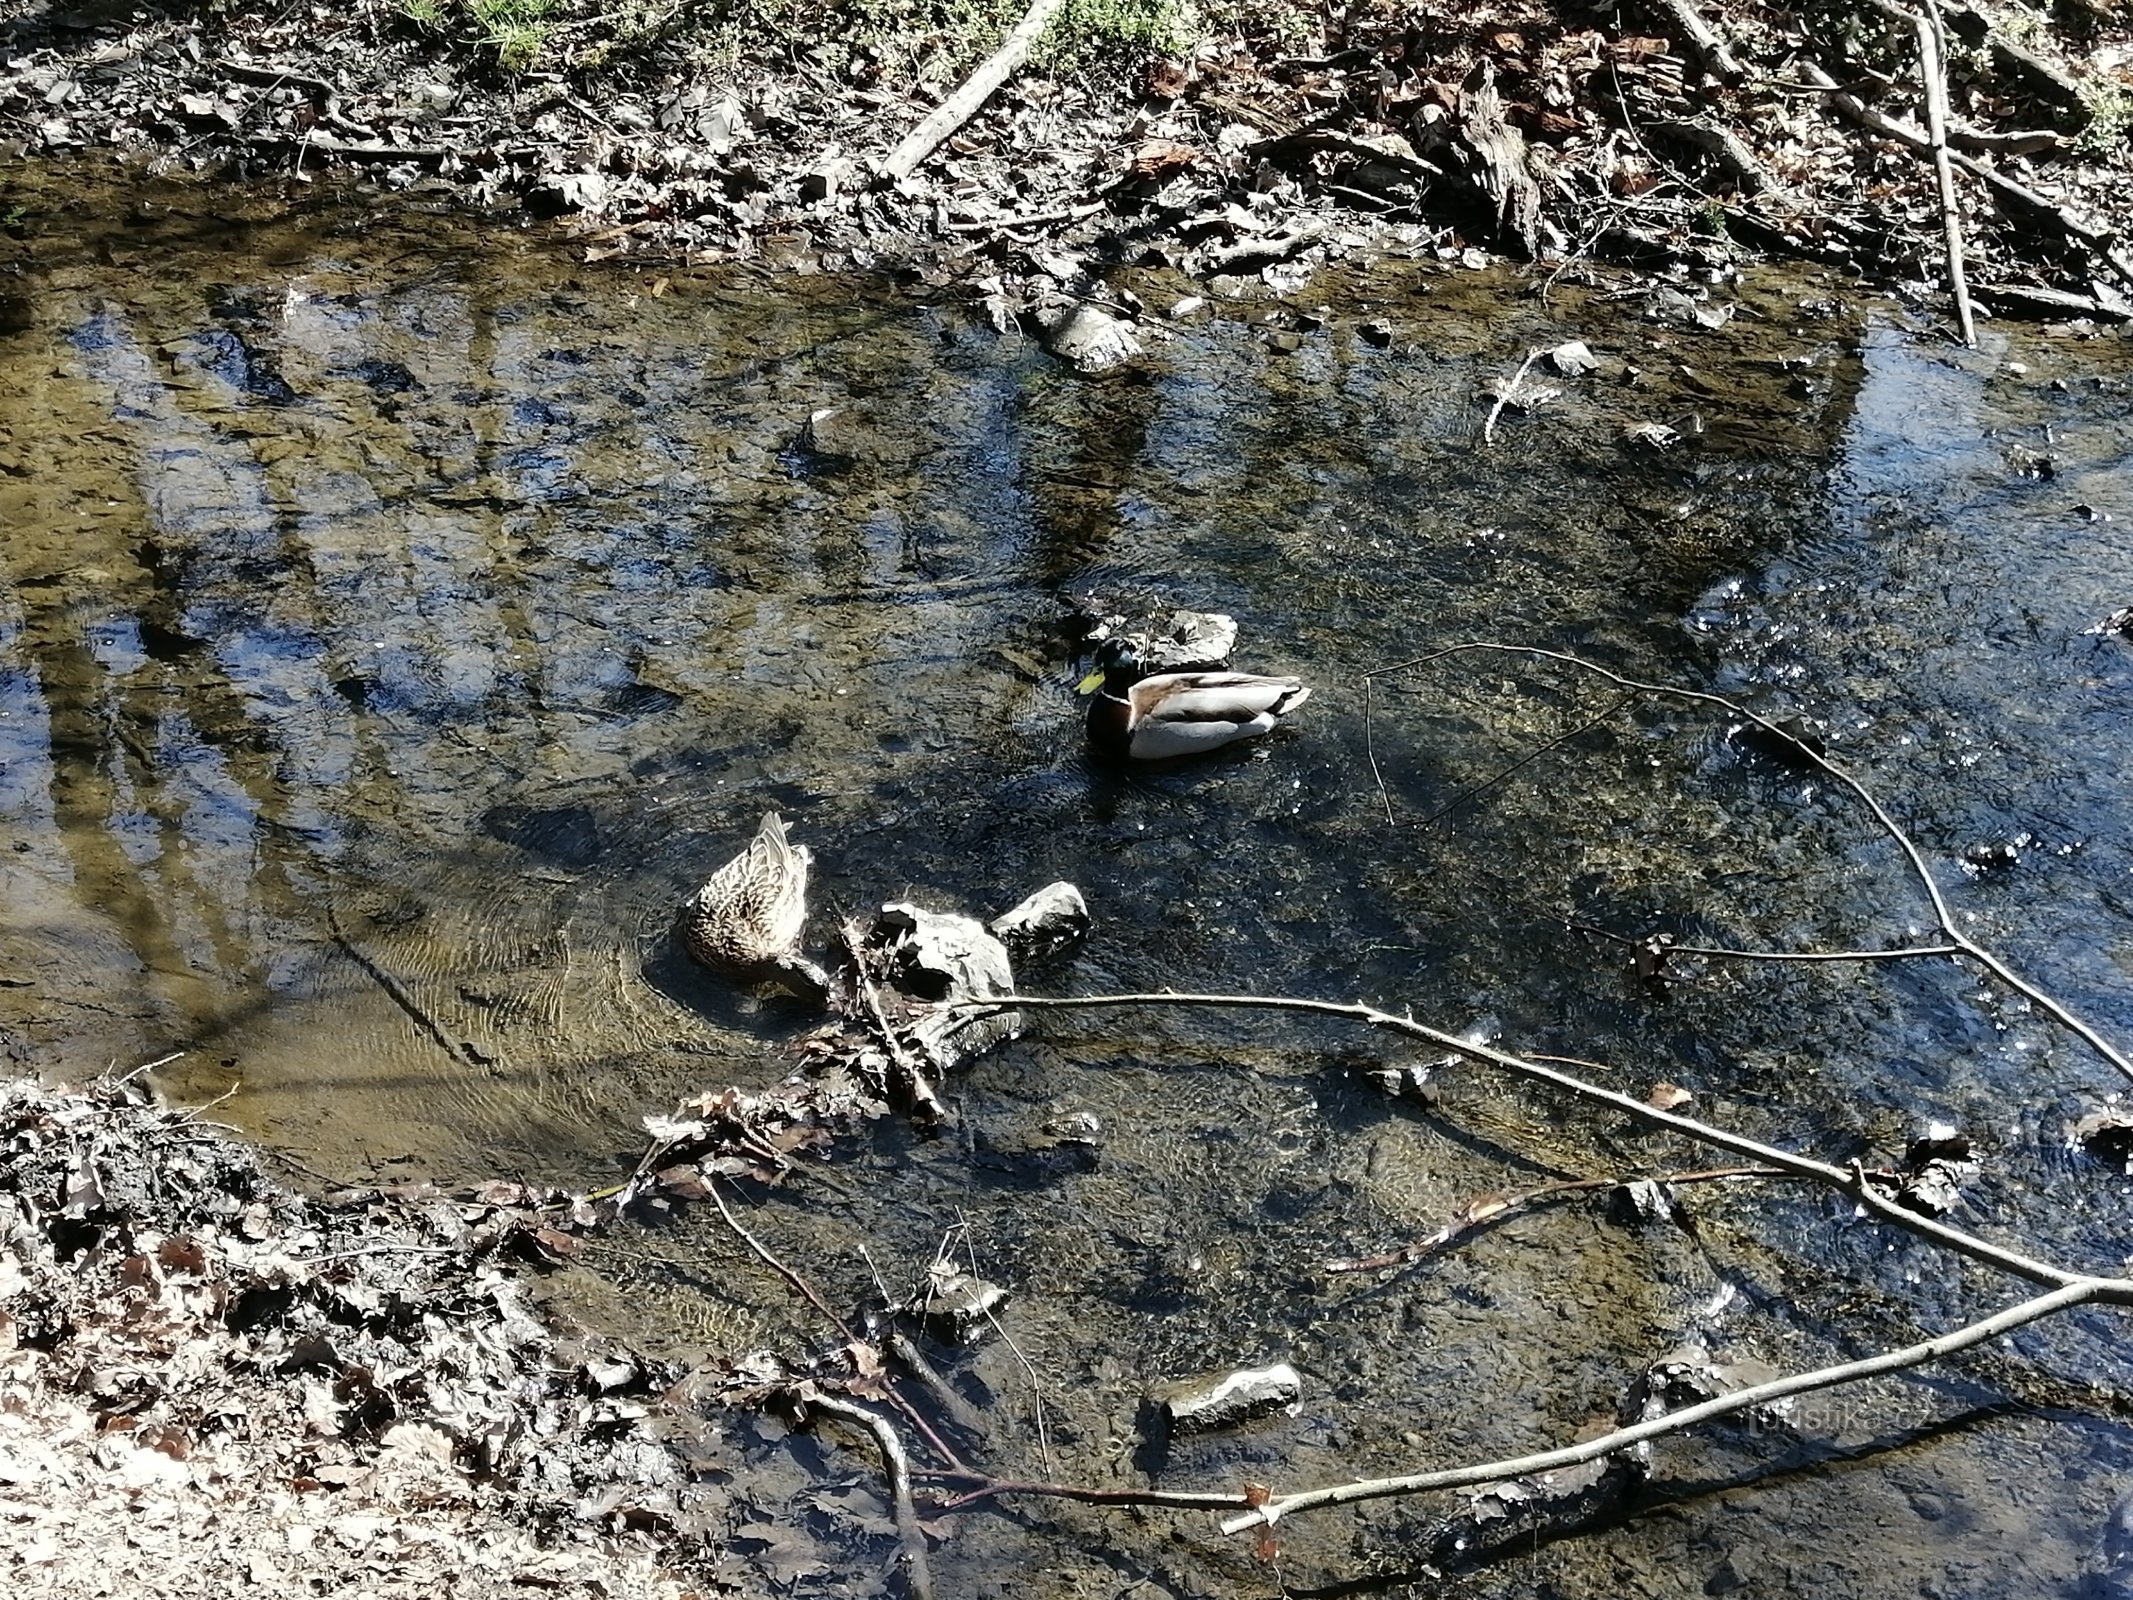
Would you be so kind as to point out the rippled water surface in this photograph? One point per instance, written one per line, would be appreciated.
(396, 622)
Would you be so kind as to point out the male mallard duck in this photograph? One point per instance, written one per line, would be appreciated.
(1180, 713)
(747, 918)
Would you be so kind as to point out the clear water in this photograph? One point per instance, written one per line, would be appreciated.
(397, 621)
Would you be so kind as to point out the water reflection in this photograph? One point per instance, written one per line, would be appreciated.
(393, 630)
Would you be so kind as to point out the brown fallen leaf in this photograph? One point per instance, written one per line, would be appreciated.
(1153, 160)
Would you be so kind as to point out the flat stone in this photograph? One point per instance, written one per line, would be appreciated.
(1224, 1399)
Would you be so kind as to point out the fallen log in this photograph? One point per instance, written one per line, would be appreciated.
(959, 107)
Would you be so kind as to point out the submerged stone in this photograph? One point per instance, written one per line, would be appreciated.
(1225, 1399)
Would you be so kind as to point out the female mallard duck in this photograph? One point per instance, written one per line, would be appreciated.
(1180, 713)
(747, 918)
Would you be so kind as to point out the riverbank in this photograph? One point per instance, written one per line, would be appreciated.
(1244, 146)
(210, 1383)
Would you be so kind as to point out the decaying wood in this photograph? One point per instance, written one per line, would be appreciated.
(2029, 300)
(1492, 156)
(1722, 145)
(2013, 142)
(976, 89)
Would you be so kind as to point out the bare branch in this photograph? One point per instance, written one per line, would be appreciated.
(1504, 395)
(976, 89)
(2012, 195)
(1851, 1182)
(808, 1293)
(2082, 1291)
(985, 1488)
(1488, 1209)
(896, 1467)
(1963, 943)
(1720, 953)
(1932, 74)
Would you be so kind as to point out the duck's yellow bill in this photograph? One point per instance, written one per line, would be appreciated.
(1091, 683)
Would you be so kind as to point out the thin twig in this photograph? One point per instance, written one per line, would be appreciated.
(1370, 747)
(1526, 760)
(1851, 1182)
(1720, 953)
(399, 993)
(1494, 1208)
(150, 1066)
(1036, 1386)
(896, 1467)
(1963, 943)
(1904, 953)
(808, 1293)
(800, 1285)
(986, 1488)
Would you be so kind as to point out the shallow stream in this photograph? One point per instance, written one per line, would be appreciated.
(396, 622)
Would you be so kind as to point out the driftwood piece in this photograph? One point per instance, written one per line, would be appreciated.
(2027, 300)
(976, 89)
(1492, 155)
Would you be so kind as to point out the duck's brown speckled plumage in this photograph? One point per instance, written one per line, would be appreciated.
(747, 919)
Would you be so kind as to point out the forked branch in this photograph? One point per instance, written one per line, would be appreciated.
(1960, 942)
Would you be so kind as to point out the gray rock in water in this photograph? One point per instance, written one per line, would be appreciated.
(1089, 340)
(957, 1307)
(942, 959)
(942, 955)
(1224, 1399)
(1049, 921)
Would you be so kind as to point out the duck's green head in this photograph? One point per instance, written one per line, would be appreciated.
(1118, 663)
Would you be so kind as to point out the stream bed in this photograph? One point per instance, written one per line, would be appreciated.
(398, 621)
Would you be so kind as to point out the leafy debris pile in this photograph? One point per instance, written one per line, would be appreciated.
(1225, 139)
(209, 1384)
